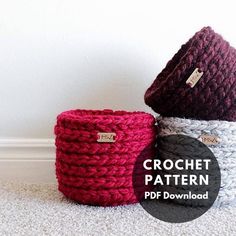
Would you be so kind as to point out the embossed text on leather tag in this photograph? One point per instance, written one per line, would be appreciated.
(194, 78)
(106, 137)
(209, 139)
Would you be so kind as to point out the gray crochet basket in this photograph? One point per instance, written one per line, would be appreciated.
(224, 149)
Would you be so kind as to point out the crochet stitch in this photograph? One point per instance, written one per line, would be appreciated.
(224, 150)
(97, 173)
(214, 95)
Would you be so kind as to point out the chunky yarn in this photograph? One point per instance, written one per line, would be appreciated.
(100, 173)
(214, 95)
(224, 150)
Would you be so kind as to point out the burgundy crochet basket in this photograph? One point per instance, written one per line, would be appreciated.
(211, 95)
(96, 152)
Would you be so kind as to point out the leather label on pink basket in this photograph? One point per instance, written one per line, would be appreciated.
(106, 137)
(194, 78)
(209, 139)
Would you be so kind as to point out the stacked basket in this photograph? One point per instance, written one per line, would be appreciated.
(97, 151)
(195, 95)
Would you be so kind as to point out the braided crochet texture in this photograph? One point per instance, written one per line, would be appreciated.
(101, 173)
(224, 151)
(214, 95)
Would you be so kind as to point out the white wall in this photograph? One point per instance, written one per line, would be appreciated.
(59, 54)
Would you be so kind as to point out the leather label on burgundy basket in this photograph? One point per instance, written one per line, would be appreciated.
(106, 137)
(194, 78)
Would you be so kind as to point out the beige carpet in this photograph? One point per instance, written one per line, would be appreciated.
(30, 209)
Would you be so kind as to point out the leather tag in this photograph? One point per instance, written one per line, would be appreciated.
(209, 139)
(194, 78)
(106, 137)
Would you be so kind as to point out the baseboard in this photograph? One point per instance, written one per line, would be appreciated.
(28, 160)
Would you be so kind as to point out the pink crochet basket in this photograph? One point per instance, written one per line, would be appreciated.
(96, 153)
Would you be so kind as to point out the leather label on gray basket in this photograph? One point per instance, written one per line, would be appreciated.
(106, 137)
(209, 139)
(194, 78)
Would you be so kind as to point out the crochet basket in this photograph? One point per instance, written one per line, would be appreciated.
(96, 151)
(224, 150)
(198, 82)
